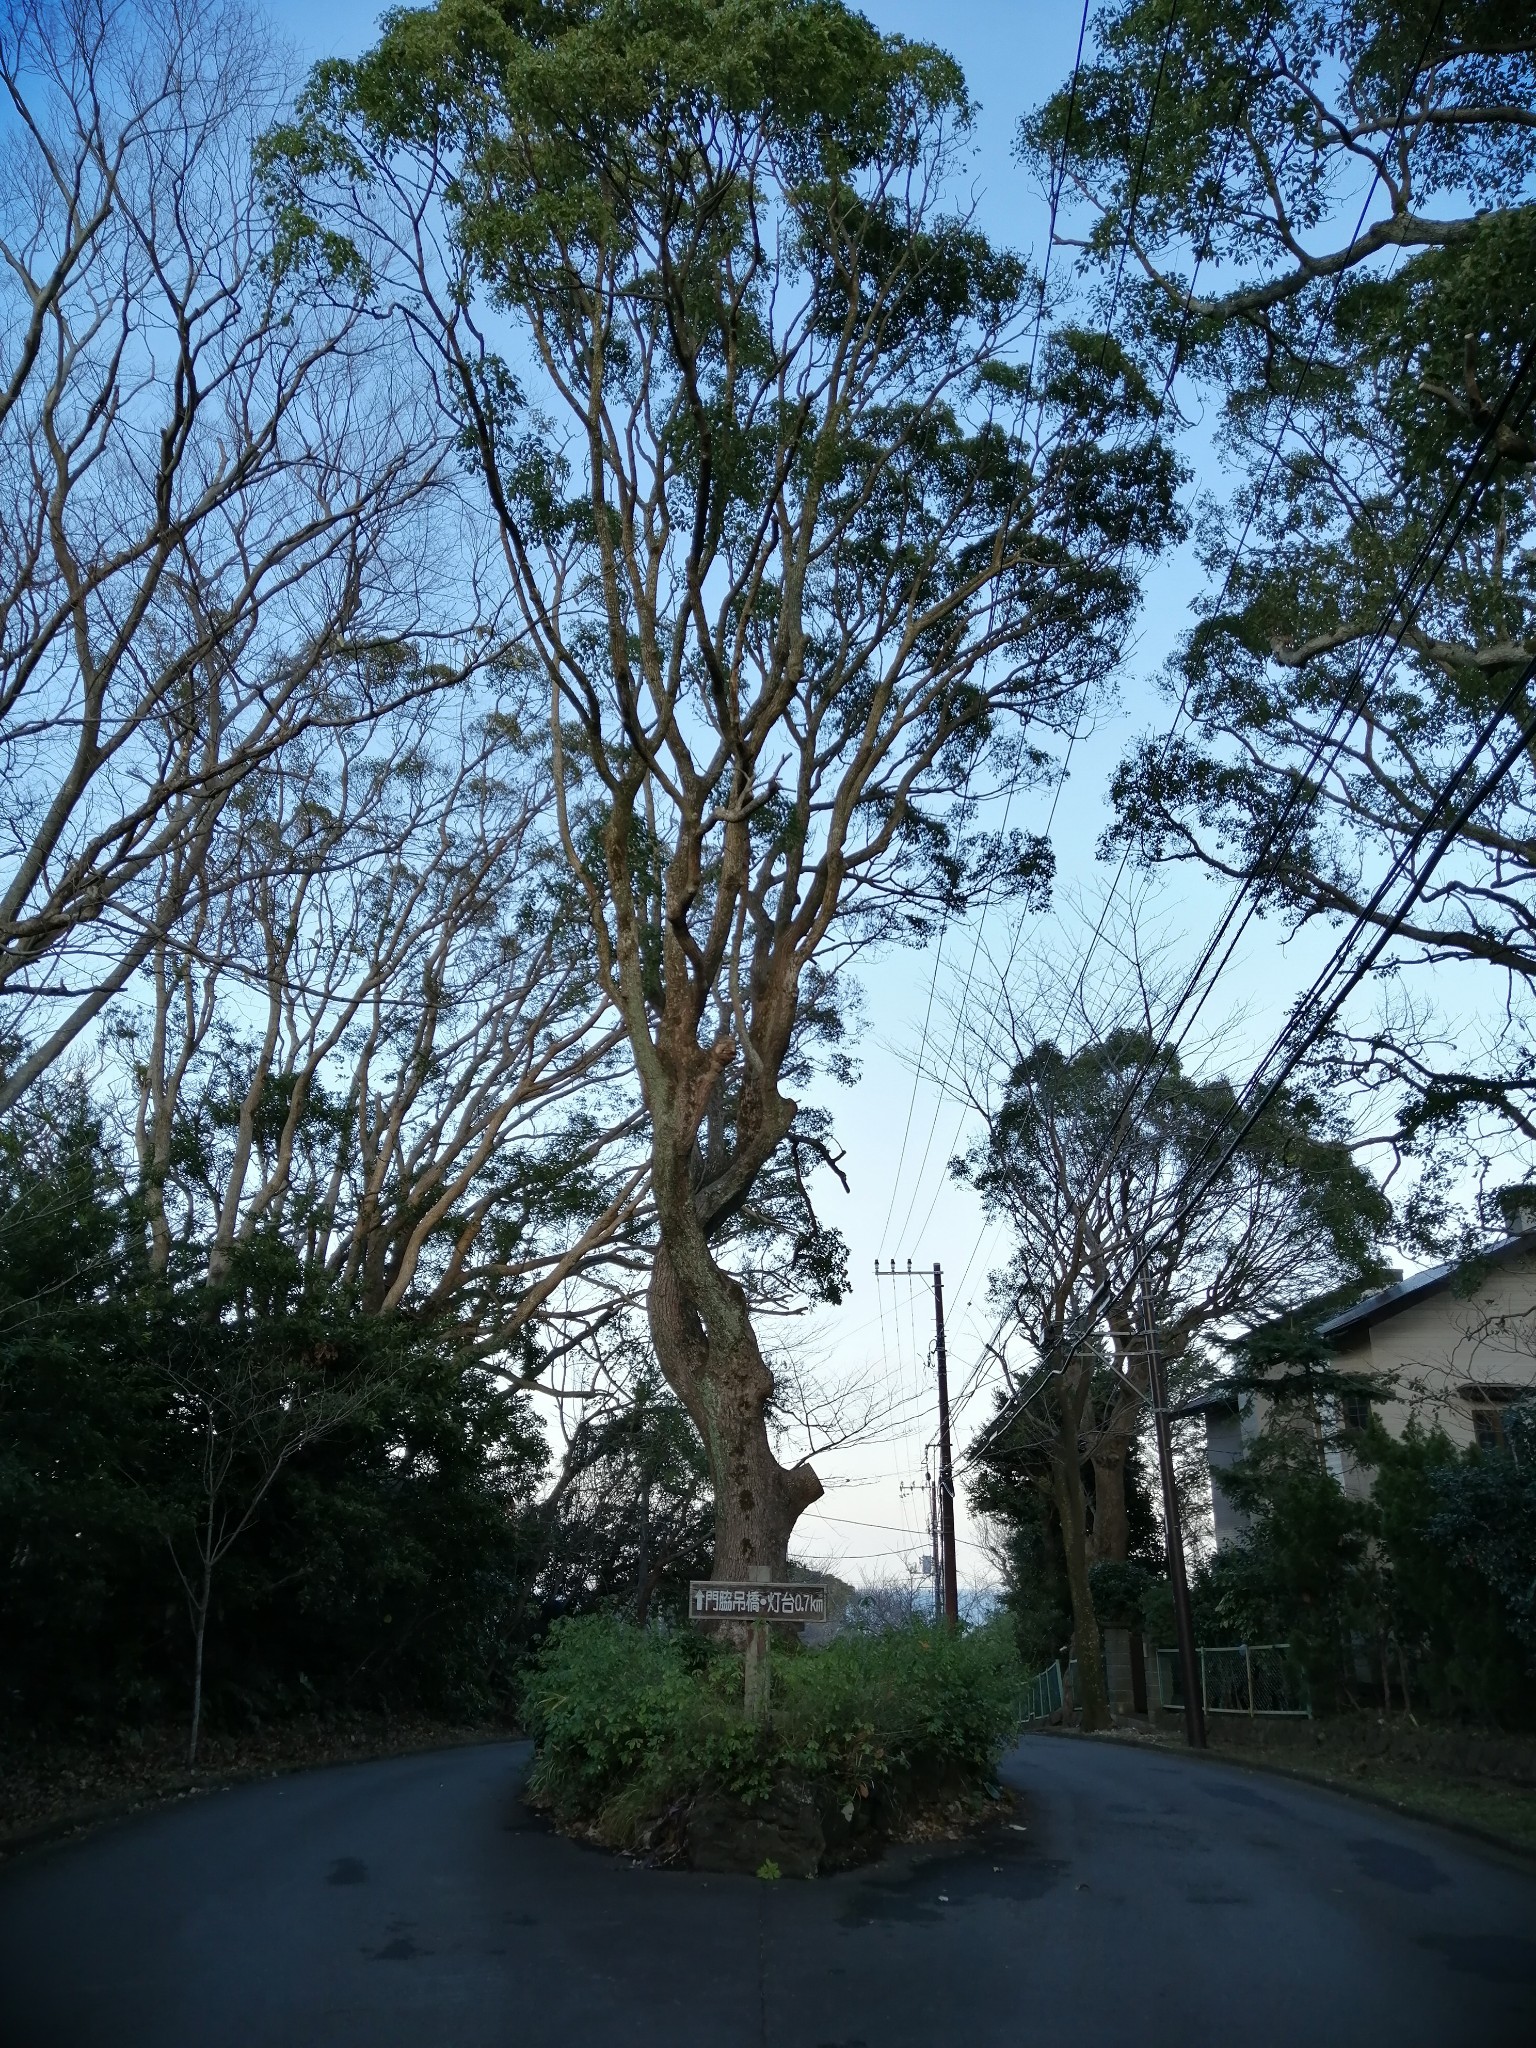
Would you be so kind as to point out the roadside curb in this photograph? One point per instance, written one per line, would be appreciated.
(1523, 1853)
(86, 1820)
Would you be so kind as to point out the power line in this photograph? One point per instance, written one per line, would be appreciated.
(889, 1528)
(1348, 705)
(1174, 361)
(1273, 457)
(1058, 181)
(1325, 1003)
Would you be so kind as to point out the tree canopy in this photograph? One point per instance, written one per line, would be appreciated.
(1103, 1160)
(1328, 219)
(805, 549)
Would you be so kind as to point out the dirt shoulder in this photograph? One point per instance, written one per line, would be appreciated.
(1483, 1780)
(50, 1787)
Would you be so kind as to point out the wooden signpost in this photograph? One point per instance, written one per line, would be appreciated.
(757, 1600)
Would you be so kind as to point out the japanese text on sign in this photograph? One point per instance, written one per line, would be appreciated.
(728, 1599)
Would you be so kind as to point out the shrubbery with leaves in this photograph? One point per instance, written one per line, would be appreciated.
(630, 1721)
(392, 1561)
(1485, 1516)
(1419, 1592)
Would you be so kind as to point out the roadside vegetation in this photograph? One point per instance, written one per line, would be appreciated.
(1469, 1775)
(1413, 1601)
(643, 1743)
(1418, 1597)
(1315, 225)
(243, 1501)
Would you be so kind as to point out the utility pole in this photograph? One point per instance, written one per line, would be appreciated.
(1184, 1621)
(933, 1538)
(946, 1463)
(946, 1590)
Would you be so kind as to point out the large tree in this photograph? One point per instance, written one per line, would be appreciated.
(1102, 1158)
(375, 1033)
(807, 556)
(1326, 215)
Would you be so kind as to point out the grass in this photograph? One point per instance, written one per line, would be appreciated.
(1508, 1813)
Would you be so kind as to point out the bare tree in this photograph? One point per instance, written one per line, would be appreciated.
(376, 1034)
(226, 516)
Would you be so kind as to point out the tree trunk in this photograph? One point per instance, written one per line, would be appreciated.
(199, 1634)
(1067, 1487)
(1111, 1523)
(706, 1346)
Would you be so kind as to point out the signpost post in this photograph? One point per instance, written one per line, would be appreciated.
(756, 1600)
(756, 1671)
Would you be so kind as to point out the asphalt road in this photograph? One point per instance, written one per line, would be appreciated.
(415, 1904)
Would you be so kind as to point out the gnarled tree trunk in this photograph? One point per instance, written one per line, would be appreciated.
(706, 1346)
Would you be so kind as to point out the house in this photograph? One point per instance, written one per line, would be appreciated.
(1451, 1347)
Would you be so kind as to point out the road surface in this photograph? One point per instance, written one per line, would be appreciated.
(1150, 1902)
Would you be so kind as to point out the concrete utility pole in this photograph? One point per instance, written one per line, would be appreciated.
(1184, 1621)
(946, 1463)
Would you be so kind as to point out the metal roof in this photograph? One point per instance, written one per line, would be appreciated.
(1389, 1301)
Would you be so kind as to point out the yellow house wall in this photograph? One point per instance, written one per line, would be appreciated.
(1437, 1348)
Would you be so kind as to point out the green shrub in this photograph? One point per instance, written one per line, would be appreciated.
(1424, 1577)
(629, 1722)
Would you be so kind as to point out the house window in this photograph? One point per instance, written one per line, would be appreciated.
(1355, 1411)
(1488, 1423)
(1487, 1407)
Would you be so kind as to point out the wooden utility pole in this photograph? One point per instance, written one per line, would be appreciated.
(946, 1590)
(935, 1554)
(946, 1463)
(1183, 1617)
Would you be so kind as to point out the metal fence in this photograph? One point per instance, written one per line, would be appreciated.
(1042, 1696)
(1239, 1678)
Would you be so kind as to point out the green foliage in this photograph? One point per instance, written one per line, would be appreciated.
(1431, 1570)
(1485, 1510)
(84, 1563)
(1157, 1615)
(1369, 354)
(1011, 1486)
(632, 1518)
(393, 1561)
(1120, 1590)
(629, 1721)
(1304, 1575)
(743, 231)
(1038, 1597)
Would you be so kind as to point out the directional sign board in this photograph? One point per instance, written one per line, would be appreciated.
(747, 1600)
